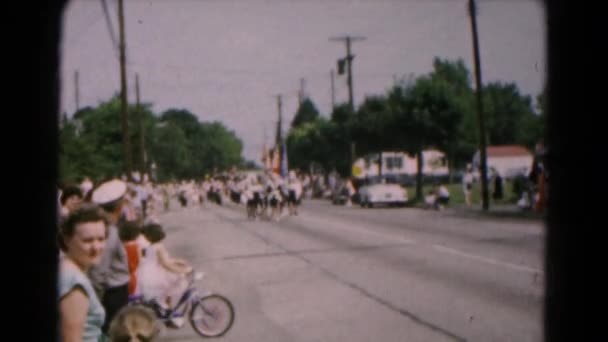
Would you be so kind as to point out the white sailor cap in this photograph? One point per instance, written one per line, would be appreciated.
(109, 191)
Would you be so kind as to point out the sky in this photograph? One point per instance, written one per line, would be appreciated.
(227, 60)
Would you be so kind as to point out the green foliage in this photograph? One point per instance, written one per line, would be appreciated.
(306, 143)
(307, 112)
(436, 110)
(91, 143)
(341, 114)
(373, 126)
(510, 116)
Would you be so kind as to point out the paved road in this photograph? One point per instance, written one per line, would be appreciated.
(351, 274)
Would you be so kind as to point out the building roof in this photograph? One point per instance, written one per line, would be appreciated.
(507, 151)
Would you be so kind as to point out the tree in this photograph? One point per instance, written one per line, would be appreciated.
(455, 73)
(184, 119)
(169, 150)
(457, 78)
(207, 146)
(307, 112)
(510, 116)
(307, 144)
(427, 114)
(219, 148)
(340, 136)
(410, 106)
(181, 146)
(100, 140)
(341, 114)
(373, 125)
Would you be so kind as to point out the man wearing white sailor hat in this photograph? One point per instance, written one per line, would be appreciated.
(111, 276)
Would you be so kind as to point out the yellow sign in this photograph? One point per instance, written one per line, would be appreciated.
(357, 171)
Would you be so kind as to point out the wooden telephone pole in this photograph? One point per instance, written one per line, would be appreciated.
(123, 93)
(349, 63)
(77, 91)
(480, 115)
(140, 115)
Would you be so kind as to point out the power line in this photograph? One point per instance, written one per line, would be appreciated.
(106, 13)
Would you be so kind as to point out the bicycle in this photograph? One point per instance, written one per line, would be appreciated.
(210, 314)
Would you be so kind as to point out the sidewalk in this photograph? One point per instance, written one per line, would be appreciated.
(500, 211)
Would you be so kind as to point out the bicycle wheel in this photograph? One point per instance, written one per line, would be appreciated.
(212, 316)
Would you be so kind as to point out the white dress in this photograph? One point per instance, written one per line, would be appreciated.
(155, 281)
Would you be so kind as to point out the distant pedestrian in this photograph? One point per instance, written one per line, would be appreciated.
(498, 185)
(351, 192)
(443, 197)
(467, 185)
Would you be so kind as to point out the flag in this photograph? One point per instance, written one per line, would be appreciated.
(268, 161)
(276, 160)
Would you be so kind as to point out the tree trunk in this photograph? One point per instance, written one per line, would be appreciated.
(450, 164)
(420, 162)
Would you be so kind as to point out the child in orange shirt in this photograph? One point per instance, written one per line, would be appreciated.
(129, 232)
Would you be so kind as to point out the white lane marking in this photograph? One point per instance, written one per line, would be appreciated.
(356, 228)
(491, 261)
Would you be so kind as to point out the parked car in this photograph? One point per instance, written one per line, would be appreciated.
(382, 194)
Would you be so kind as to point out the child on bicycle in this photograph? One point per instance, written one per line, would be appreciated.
(160, 276)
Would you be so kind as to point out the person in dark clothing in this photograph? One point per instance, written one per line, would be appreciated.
(498, 186)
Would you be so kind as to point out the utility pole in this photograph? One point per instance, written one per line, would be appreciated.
(279, 134)
(333, 90)
(301, 93)
(265, 154)
(140, 115)
(123, 93)
(480, 114)
(349, 63)
(77, 91)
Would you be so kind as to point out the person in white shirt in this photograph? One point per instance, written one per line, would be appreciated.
(467, 185)
(295, 190)
(351, 192)
(443, 197)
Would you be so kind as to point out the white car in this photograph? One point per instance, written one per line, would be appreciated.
(387, 194)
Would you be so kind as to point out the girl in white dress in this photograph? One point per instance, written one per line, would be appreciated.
(160, 276)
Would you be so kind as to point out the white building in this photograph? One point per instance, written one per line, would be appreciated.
(398, 164)
(508, 160)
